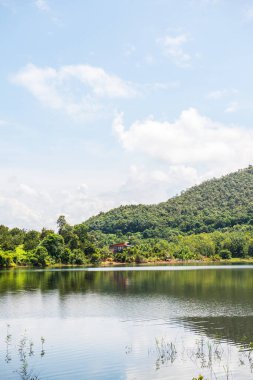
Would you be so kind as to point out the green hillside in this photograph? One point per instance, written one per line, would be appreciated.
(212, 221)
(213, 205)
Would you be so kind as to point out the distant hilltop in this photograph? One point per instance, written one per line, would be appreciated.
(213, 205)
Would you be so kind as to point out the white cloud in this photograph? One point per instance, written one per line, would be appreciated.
(145, 185)
(173, 48)
(16, 214)
(15, 211)
(78, 90)
(27, 206)
(24, 206)
(192, 140)
(42, 5)
(31, 206)
(232, 107)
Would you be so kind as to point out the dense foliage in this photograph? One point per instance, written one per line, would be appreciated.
(211, 221)
(71, 245)
(215, 204)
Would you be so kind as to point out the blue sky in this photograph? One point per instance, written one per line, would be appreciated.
(118, 102)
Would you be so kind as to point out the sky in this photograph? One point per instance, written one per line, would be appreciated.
(104, 103)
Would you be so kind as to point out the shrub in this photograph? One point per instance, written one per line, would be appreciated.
(77, 257)
(139, 258)
(184, 253)
(216, 257)
(120, 257)
(225, 254)
(6, 259)
(95, 258)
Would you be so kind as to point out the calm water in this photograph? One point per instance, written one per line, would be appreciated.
(127, 323)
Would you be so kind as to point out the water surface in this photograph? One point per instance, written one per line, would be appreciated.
(171, 322)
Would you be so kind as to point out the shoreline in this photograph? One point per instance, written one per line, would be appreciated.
(110, 263)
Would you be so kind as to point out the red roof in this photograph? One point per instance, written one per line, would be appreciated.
(124, 244)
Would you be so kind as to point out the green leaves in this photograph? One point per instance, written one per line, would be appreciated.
(215, 204)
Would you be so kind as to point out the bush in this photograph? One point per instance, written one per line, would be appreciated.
(216, 257)
(225, 254)
(95, 258)
(139, 259)
(6, 260)
(120, 257)
(184, 253)
(105, 253)
(77, 257)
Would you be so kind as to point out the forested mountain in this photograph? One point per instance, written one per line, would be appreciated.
(212, 221)
(215, 204)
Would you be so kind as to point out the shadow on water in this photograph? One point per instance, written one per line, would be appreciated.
(238, 329)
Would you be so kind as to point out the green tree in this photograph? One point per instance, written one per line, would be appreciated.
(45, 232)
(61, 223)
(31, 240)
(42, 256)
(250, 248)
(65, 255)
(54, 245)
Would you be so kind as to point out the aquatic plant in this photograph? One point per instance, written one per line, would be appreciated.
(166, 351)
(205, 354)
(25, 349)
(8, 342)
(42, 353)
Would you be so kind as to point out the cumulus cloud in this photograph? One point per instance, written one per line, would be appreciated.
(15, 213)
(193, 140)
(145, 185)
(17, 203)
(78, 90)
(24, 206)
(173, 47)
(27, 206)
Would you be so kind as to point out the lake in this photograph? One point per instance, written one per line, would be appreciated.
(170, 322)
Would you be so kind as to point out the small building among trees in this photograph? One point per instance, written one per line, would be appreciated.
(119, 247)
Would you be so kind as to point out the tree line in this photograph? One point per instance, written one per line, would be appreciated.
(76, 245)
(213, 221)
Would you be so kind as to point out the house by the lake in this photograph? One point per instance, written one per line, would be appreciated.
(119, 247)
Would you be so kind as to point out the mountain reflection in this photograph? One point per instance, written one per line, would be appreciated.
(217, 302)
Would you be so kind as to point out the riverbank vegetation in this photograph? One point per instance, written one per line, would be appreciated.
(75, 245)
(212, 222)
